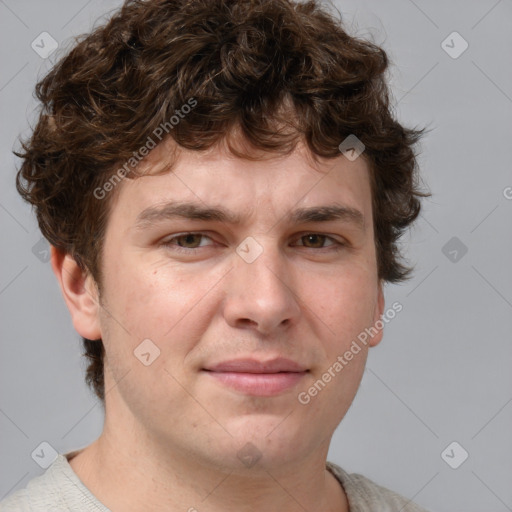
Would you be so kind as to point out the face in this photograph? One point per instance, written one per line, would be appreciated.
(243, 309)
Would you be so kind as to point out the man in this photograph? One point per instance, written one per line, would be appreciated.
(223, 186)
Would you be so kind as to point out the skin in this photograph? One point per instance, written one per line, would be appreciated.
(172, 432)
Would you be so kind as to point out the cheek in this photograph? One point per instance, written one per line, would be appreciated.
(160, 301)
(345, 302)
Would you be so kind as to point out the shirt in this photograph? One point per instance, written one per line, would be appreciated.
(60, 490)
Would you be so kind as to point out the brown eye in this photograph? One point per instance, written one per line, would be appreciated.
(187, 242)
(190, 240)
(314, 240)
(317, 241)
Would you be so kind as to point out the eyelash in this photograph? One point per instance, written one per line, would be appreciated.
(336, 246)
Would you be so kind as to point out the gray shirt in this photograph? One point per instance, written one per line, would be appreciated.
(59, 489)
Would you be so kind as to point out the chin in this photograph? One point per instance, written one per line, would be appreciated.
(274, 436)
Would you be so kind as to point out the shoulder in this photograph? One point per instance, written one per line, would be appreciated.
(364, 495)
(39, 494)
(58, 489)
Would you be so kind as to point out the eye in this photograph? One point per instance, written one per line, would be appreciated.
(316, 241)
(185, 241)
(190, 242)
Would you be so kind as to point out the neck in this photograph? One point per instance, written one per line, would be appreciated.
(131, 477)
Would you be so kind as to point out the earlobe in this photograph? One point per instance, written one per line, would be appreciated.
(80, 293)
(377, 322)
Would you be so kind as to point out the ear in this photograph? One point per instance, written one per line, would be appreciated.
(80, 293)
(379, 310)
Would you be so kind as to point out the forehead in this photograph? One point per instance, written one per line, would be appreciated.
(270, 185)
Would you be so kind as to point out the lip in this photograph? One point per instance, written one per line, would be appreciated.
(258, 378)
(249, 365)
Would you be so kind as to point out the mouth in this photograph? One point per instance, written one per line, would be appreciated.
(258, 378)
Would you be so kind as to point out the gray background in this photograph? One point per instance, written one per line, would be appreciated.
(442, 372)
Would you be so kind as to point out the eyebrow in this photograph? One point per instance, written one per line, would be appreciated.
(194, 211)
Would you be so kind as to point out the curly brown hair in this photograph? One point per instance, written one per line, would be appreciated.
(242, 61)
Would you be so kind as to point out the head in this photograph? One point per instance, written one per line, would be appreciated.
(234, 105)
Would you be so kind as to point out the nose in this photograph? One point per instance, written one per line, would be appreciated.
(261, 295)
